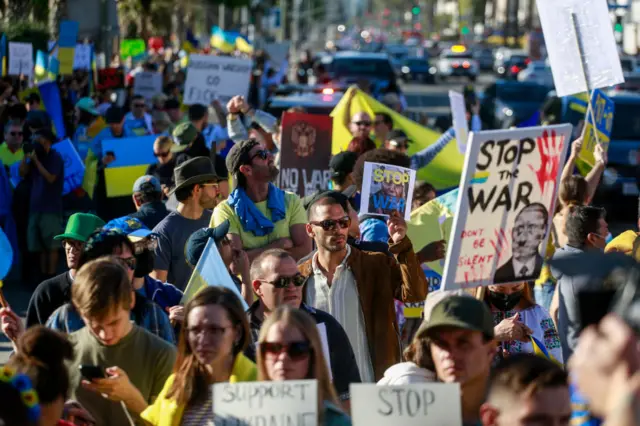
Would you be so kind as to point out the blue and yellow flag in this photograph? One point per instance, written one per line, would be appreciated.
(225, 41)
(42, 64)
(54, 67)
(443, 172)
(210, 271)
(3, 54)
(540, 350)
(190, 44)
(243, 45)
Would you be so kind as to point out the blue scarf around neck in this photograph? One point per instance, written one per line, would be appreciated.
(251, 217)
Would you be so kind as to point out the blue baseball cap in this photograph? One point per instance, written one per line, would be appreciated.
(133, 227)
(147, 183)
(198, 241)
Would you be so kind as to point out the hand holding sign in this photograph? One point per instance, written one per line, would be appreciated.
(576, 147)
(397, 227)
(600, 155)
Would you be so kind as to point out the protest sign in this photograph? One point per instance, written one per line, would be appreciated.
(277, 52)
(406, 405)
(460, 124)
(132, 48)
(305, 153)
(276, 403)
(132, 157)
(210, 271)
(210, 77)
(73, 166)
(598, 131)
(506, 203)
(386, 188)
(110, 79)
(20, 58)
(580, 32)
(82, 57)
(147, 84)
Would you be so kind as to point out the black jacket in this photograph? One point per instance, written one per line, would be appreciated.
(151, 214)
(344, 368)
(48, 296)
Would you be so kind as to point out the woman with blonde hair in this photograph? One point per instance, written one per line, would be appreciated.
(289, 348)
(214, 335)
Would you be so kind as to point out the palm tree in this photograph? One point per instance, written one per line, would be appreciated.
(57, 13)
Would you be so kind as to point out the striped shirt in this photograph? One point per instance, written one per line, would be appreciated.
(200, 413)
(342, 301)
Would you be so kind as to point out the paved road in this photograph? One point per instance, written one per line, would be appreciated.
(430, 99)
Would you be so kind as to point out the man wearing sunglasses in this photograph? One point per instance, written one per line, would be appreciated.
(358, 288)
(138, 121)
(261, 216)
(11, 151)
(276, 281)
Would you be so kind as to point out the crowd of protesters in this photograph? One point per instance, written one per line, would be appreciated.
(296, 263)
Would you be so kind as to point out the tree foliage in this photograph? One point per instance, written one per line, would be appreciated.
(35, 33)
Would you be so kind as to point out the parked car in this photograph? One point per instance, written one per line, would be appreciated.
(484, 56)
(418, 69)
(507, 103)
(537, 72)
(457, 62)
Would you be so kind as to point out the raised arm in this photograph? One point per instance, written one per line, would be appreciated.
(593, 178)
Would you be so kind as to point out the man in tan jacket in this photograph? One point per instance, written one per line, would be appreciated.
(358, 288)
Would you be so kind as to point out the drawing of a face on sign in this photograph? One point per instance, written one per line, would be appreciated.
(389, 190)
(303, 137)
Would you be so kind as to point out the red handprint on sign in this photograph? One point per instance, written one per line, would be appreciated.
(500, 244)
(474, 275)
(550, 147)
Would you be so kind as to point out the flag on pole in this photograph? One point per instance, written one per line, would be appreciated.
(42, 64)
(243, 45)
(190, 44)
(225, 41)
(3, 54)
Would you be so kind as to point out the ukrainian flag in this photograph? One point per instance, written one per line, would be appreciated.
(91, 162)
(54, 67)
(190, 44)
(3, 54)
(225, 41)
(133, 157)
(41, 66)
(540, 350)
(243, 45)
(210, 271)
(443, 172)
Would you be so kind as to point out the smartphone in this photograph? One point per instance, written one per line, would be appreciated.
(91, 372)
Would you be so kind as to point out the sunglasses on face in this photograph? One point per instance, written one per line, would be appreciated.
(130, 262)
(330, 224)
(362, 123)
(263, 154)
(295, 350)
(161, 154)
(14, 134)
(283, 282)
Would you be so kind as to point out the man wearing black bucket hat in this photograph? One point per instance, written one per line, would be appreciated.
(196, 191)
(261, 216)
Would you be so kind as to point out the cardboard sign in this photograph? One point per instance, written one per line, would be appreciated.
(386, 188)
(305, 153)
(460, 124)
(505, 207)
(131, 48)
(407, 405)
(277, 52)
(593, 36)
(603, 108)
(110, 79)
(73, 166)
(147, 84)
(133, 156)
(283, 403)
(82, 57)
(210, 77)
(20, 58)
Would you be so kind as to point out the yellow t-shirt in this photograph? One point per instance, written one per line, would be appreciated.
(294, 215)
(9, 158)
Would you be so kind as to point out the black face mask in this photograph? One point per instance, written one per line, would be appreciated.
(504, 302)
(144, 263)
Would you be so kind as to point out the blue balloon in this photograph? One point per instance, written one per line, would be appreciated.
(6, 255)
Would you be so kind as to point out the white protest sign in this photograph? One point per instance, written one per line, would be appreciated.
(277, 52)
(210, 77)
(147, 84)
(407, 405)
(282, 403)
(82, 57)
(507, 197)
(460, 124)
(20, 58)
(386, 188)
(594, 36)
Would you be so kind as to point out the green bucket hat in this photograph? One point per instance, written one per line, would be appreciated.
(183, 135)
(80, 226)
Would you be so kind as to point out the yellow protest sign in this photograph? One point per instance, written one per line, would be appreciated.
(445, 169)
(598, 124)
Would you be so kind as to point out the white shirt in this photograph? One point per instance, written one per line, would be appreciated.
(342, 300)
(517, 267)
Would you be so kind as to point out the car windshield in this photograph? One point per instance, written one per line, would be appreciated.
(626, 122)
(520, 92)
(452, 55)
(416, 62)
(361, 67)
